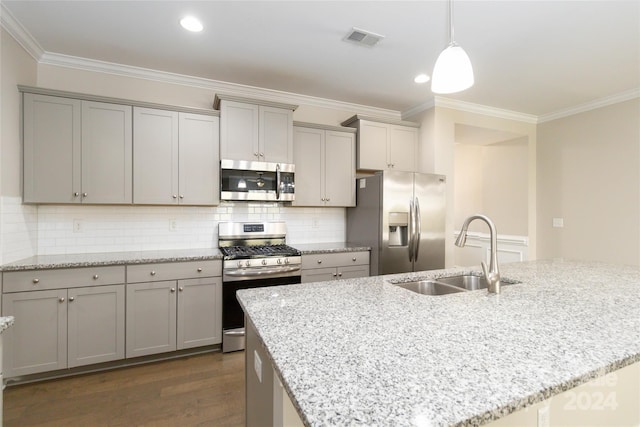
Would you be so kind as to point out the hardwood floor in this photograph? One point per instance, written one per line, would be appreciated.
(203, 390)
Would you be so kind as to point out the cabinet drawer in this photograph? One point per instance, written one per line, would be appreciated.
(35, 280)
(335, 259)
(173, 271)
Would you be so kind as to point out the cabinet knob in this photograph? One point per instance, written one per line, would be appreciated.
(353, 259)
(84, 194)
(36, 281)
(339, 274)
(256, 154)
(261, 154)
(319, 261)
(173, 290)
(61, 299)
(175, 196)
(153, 273)
(71, 299)
(182, 196)
(181, 289)
(199, 270)
(334, 274)
(76, 194)
(95, 277)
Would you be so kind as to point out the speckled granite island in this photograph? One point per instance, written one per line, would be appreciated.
(367, 352)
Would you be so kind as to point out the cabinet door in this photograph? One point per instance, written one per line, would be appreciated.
(340, 169)
(318, 275)
(239, 131)
(199, 164)
(106, 153)
(151, 318)
(403, 145)
(276, 135)
(353, 271)
(372, 145)
(52, 132)
(155, 156)
(96, 324)
(199, 312)
(309, 161)
(37, 342)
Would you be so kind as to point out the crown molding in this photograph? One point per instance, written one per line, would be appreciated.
(85, 64)
(20, 33)
(485, 110)
(592, 105)
(418, 108)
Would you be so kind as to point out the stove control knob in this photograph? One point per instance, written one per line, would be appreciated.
(248, 263)
(239, 263)
(286, 260)
(279, 261)
(264, 262)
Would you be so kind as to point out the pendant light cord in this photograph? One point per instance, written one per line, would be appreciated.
(451, 22)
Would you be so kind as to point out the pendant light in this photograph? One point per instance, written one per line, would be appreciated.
(452, 72)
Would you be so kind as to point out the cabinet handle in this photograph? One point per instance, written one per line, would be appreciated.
(71, 299)
(181, 289)
(76, 194)
(84, 194)
(319, 261)
(36, 281)
(61, 299)
(199, 270)
(95, 277)
(173, 290)
(153, 273)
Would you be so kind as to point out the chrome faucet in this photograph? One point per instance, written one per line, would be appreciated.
(493, 274)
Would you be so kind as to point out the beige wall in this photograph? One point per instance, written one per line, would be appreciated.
(18, 67)
(588, 174)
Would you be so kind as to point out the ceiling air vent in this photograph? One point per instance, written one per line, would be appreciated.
(362, 37)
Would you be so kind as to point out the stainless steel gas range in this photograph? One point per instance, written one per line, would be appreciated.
(255, 255)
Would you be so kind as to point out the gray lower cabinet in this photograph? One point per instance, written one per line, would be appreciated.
(76, 151)
(63, 328)
(334, 266)
(173, 315)
(176, 158)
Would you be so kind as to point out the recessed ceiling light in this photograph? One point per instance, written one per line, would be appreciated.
(191, 23)
(421, 78)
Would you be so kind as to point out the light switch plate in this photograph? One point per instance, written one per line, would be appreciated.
(558, 222)
(543, 416)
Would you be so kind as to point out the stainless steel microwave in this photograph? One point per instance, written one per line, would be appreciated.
(260, 181)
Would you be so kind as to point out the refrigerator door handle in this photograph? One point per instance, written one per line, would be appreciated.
(411, 231)
(418, 229)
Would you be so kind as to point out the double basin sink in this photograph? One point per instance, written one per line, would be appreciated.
(450, 285)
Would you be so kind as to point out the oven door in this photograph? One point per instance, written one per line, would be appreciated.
(243, 180)
(232, 314)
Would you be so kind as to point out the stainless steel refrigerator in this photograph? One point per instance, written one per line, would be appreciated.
(401, 216)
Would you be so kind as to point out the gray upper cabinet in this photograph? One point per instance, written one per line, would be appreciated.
(385, 144)
(176, 158)
(325, 166)
(76, 151)
(255, 130)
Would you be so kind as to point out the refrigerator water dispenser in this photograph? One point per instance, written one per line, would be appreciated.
(398, 228)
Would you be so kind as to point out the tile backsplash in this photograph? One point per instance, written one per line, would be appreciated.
(64, 229)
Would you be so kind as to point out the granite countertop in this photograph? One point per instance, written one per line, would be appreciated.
(143, 257)
(5, 322)
(366, 352)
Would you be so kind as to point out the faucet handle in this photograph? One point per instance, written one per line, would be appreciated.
(485, 270)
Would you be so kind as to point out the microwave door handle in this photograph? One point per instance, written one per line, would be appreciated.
(278, 181)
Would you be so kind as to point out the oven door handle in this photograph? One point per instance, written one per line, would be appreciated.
(235, 333)
(260, 271)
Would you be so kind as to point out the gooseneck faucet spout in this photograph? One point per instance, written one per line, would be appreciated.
(492, 274)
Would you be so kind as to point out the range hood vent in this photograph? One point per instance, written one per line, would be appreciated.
(363, 37)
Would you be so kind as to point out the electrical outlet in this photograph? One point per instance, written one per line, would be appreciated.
(558, 222)
(173, 225)
(543, 416)
(77, 226)
(257, 365)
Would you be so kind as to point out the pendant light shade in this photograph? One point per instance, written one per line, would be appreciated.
(453, 71)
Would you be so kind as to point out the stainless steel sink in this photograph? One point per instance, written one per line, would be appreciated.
(470, 282)
(430, 287)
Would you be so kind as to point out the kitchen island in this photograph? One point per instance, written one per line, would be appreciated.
(367, 352)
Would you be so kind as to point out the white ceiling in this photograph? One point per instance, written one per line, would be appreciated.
(534, 57)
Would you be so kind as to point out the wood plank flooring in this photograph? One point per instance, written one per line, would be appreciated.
(202, 390)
